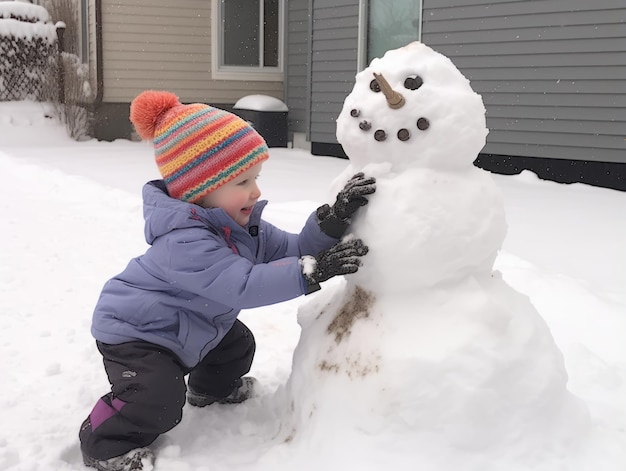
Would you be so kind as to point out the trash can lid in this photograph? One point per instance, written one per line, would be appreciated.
(260, 103)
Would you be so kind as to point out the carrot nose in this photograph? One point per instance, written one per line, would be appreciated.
(394, 99)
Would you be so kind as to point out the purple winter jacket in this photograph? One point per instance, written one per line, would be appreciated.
(202, 268)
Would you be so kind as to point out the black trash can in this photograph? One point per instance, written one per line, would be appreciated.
(266, 114)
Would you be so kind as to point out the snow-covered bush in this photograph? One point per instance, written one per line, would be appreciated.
(73, 108)
(75, 112)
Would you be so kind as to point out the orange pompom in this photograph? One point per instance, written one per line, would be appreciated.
(147, 108)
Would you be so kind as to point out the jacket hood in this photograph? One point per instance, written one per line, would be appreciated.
(164, 214)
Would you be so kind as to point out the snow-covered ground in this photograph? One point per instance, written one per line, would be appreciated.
(71, 214)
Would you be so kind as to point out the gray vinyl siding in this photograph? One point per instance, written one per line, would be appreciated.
(159, 44)
(552, 73)
(334, 47)
(297, 71)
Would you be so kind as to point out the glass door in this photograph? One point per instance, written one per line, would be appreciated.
(392, 24)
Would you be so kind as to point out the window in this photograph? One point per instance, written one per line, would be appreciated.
(392, 25)
(247, 39)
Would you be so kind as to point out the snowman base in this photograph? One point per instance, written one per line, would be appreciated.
(478, 383)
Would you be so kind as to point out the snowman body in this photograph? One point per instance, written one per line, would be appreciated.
(426, 338)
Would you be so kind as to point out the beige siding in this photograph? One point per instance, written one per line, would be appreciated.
(160, 44)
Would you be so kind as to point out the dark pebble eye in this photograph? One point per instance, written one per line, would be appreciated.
(423, 124)
(355, 113)
(413, 83)
(374, 86)
(404, 134)
(380, 135)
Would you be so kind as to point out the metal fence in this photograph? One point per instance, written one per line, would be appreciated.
(29, 63)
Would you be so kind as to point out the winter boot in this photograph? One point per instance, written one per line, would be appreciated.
(244, 391)
(139, 459)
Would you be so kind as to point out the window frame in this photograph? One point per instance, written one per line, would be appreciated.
(262, 73)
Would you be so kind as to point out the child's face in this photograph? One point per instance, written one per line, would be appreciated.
(237, 197)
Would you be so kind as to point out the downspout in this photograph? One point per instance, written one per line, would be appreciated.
(99, 74)
(361, 56)
(309, 73)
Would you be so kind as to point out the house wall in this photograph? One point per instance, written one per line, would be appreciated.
(160, 44)
(551, 72)
(334, 48)
(297, 67)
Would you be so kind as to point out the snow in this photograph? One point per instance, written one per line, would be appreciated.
(260, 103)
(24, 10)
(72, 218)
(42, 28)
(29, 31)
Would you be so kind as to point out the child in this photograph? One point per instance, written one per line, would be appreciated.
(173, 311)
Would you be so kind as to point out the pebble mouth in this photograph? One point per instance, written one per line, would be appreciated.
(423, 124)
(404, 134)
(381, 135)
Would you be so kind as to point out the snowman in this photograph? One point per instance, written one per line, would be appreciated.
(426, 339)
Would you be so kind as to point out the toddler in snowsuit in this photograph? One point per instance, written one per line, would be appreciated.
(173, 311)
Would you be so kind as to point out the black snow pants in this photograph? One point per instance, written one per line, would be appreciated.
(148, 390)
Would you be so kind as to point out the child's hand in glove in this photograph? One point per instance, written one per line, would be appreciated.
(335, 219)
(341, 259)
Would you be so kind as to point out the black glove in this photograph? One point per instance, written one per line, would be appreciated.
(341, 259)
(334, 220)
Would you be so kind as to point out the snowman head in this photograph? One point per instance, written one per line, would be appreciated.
(413, 109)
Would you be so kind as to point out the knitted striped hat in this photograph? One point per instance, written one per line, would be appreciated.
(197, 148)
